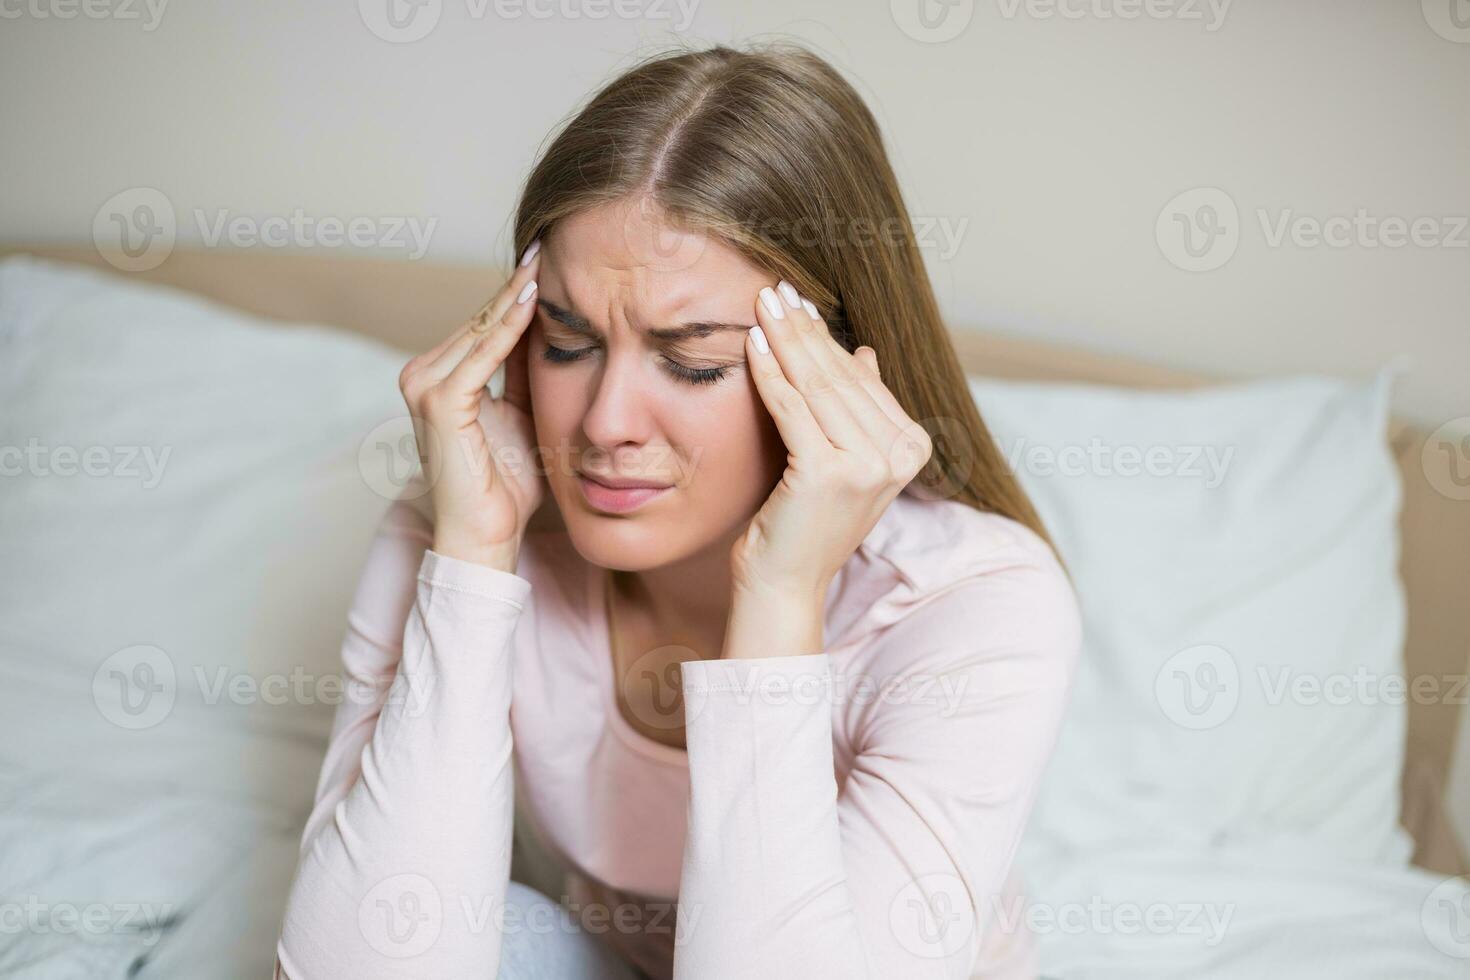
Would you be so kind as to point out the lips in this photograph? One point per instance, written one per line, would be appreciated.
(619, 495)
(625, 483)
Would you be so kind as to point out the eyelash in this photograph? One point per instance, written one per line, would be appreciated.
(689, 375)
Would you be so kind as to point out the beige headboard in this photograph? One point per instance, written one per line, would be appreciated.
(412, 305)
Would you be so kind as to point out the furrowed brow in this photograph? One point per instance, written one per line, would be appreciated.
(700, 328)
(566, 317)
(685, 331)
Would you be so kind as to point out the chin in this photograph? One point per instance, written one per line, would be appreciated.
(631, 542)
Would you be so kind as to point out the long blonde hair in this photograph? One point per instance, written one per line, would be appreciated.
(771, 151)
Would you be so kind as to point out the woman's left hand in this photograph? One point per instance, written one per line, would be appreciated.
(850, 450)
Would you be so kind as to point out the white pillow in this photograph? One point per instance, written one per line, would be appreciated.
(187, 494)
(1235, 551)
(185, 479)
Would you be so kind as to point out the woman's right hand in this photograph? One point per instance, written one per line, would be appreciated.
(477, 451)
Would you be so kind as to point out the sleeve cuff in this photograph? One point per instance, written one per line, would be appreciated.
(799, 675)
(442, 572)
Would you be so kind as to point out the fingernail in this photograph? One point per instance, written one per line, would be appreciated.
(759, 336)
(530, 253)
(811, 309)
(526, 292)
(773, 305)
(789, 294)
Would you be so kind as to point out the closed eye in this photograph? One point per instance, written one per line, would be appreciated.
(681, 372)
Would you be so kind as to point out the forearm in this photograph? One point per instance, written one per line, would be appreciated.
(401, 874)
(500, 556)
(763, 890)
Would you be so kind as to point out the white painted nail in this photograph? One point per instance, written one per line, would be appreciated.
(526, 292)
(789, 294)
(759, 336)
(530, 253)
(811, 309)
(773, 305)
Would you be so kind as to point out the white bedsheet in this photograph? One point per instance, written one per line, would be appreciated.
(1278, 911)
(109, 877)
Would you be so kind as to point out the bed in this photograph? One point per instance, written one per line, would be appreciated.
(173, 525)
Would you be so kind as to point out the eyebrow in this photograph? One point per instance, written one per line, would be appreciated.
(684, 331)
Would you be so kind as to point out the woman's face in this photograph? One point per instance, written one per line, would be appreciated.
(627, 385)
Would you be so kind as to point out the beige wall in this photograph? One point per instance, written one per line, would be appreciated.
(1043, 148)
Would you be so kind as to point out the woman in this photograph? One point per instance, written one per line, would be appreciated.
(776, 672)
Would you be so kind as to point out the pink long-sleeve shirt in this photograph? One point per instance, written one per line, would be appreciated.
(846, 813)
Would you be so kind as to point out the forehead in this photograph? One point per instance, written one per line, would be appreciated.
(630, 246)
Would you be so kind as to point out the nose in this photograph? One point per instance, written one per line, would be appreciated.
(620, 414)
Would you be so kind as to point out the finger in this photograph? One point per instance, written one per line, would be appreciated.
(813, 330)
(443, 359)
(794, 421)
(525, 271)
(448, 354)
(802, 371)
(873, 384)
(846, 372)
(881, 395)
(882, 417)
(456, 336)
(472, 374)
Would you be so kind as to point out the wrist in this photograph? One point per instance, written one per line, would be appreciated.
(766, 622)
(756, 588)
(500, 556)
